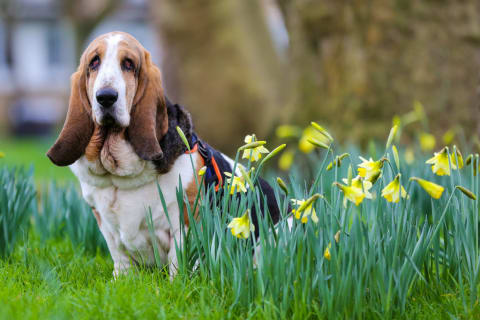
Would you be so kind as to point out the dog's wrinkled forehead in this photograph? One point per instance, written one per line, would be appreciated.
(120, 41)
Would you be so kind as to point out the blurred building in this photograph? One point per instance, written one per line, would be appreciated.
(37, 57)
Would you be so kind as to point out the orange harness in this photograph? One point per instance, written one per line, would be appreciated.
(208, 159)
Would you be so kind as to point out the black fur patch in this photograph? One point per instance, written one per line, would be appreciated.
(171, 143)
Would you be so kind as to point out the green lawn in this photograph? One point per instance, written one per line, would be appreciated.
(53, 280)
(28, 152)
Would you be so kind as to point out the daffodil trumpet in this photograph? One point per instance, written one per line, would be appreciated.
(355, 195)
(394, 190)
(433, 189)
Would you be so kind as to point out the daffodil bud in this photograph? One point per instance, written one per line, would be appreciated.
(282, 185)
(337, 236)
(273, 153)
(252, 145)
(320, 129)
(395, 156)
(182, 136)
(391, 136)
(467, 192)
(317, 143)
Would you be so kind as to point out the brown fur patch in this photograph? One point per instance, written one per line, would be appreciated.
(97, 216)
(95, 145)
(191, 191)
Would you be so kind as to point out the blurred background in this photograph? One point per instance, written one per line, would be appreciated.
(253, 66)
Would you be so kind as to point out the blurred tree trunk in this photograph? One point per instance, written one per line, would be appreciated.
(85, 16)
(221, 64)
(358, 63)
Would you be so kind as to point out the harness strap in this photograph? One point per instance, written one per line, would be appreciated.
(207, 158)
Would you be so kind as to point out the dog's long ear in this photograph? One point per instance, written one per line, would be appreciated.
(78, 128)
(149, 121)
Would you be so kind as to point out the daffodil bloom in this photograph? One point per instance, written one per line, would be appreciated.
(394, 190)
(427, 141)
(253, 154)
(303, 215)
(370, 170)
(2, 155)
(241, 227)
(352, 194)
(433, 189)
(326, 253)
(448, 137)
(311, 134)
(237, 184)
(362, 184)
(409, 156)
(440, 163)
(288, 131)
(286, 160)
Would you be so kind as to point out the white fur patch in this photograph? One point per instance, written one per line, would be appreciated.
(122, 203)
(110, 75)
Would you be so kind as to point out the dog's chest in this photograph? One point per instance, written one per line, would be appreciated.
(123, 201)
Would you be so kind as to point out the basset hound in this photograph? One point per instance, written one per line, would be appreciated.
(120, 141)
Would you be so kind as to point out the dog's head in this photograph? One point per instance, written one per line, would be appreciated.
(115, 86)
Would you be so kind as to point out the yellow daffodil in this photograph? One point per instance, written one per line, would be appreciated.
(394, 190)
(2, 155)
(253, 154)
(286, 160)
(288, 131)
(326, 253)
(427, 141)
(433, 189)
(241, 227)
(303, 215)
(202, 171)
(409, 156)
(350, 193)
(362, 184)
(448, 137)
(237, 184)
(313, 135)
(440, 163)
(370, 170)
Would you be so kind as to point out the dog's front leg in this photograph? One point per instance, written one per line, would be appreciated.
(175, 241)
(121, 260)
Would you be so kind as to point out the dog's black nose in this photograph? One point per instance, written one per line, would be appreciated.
(107, 97)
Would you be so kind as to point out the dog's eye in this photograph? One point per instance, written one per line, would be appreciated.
(94, 63)
(128, 65)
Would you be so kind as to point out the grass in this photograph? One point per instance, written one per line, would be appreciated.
(418, 258)
(55, 280)
(28, 152)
